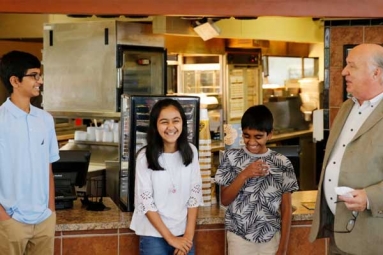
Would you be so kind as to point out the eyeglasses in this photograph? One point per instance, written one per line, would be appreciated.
(37, 76)
(350, 224)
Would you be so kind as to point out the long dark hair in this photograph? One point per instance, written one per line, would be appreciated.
(155, 144)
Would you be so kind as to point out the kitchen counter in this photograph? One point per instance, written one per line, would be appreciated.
(290, 135)
(303, 202)
(79, 231)
(79, 218)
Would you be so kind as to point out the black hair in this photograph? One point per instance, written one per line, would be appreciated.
(258, 117)
(16, 63)
(155, 144)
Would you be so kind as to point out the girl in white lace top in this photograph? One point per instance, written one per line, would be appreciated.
(168, 184)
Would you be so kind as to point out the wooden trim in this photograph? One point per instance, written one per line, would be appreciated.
(228, 8)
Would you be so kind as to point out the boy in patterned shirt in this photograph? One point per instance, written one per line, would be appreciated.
(256, 186)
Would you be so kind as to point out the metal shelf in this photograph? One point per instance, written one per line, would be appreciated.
(95, 143)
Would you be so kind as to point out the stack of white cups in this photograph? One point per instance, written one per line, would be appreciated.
(205, 156)
(80, 135)
(108, 132)
(111, 131)
(91, 133)
(116, 132)
(99, 132)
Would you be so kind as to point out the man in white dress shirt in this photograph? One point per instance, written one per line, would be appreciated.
(354, 159)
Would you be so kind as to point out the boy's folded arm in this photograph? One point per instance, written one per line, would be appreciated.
(230, 192)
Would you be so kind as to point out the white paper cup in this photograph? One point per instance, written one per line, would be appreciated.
(99, 134)
(116, 136)
(80, 135)
(107, 136)
(116, 126)
(91, 133)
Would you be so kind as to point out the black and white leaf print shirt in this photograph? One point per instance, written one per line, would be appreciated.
(255, 213)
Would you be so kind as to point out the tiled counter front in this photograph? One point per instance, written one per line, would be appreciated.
(300, 229)
(83, 232)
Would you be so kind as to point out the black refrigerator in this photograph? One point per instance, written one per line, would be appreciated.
(141, 70)
(135, 112)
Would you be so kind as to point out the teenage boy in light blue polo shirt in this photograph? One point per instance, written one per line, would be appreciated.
(28, 146)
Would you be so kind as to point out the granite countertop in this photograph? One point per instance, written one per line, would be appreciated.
(79, 218)
(300, 201)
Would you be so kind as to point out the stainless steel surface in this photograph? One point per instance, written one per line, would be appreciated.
(80, 67)
(119, 78)
(113, 180)
(95, 143)
(80, 71)
(143, 70)
(100, 152)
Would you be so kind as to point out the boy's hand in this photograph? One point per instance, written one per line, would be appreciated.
(257, 169)
(3, 215)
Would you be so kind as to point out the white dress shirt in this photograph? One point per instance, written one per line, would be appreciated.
(355, 119)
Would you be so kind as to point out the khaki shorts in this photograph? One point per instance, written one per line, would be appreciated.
(17, 238)
(239, 246)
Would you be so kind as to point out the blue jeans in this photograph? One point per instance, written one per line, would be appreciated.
(150, 245)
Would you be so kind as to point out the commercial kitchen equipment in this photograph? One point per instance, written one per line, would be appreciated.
(69, 171)
(134, 125)
(202, 74)
(89, 65)
(243, 73)
(242, 89)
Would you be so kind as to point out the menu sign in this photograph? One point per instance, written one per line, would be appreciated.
(236, 95)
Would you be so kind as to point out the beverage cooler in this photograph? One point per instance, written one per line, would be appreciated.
(134, 124)
(243, 88)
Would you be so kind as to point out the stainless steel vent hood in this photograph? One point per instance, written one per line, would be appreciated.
(79, 59)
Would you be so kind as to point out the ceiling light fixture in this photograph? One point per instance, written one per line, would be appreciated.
(207, 30)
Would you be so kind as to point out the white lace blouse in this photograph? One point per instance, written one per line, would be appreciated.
(170, 192)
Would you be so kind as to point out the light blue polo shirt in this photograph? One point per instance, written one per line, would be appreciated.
(28, 144)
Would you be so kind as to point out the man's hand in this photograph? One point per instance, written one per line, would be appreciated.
(356, 203)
